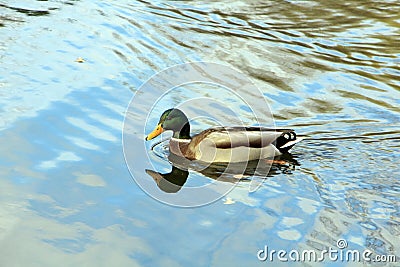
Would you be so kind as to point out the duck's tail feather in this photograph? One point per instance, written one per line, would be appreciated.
(287, 140)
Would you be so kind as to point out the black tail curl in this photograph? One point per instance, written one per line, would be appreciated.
(287, 136)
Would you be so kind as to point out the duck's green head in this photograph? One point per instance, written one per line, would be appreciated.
(175, 120)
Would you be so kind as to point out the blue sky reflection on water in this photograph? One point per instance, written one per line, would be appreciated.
(67, 197)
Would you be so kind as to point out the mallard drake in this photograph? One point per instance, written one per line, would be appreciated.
(223, 144)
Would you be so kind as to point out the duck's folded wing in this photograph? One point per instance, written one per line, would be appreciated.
(257, 137)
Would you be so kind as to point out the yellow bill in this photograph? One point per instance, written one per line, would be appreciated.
(156, 132)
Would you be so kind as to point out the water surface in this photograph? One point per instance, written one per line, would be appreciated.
(328, 69)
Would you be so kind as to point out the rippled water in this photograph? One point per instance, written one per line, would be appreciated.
(329, 69)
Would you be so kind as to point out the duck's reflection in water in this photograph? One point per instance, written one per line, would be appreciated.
(174, 180)
(170, 182)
